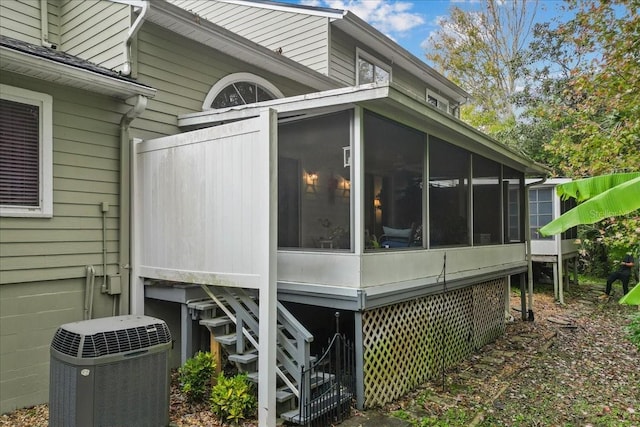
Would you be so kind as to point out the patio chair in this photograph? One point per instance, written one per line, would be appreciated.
(398, 237)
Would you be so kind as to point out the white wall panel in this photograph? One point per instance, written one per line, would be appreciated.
(203, 204)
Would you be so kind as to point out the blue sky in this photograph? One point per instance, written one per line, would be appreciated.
(409, 22)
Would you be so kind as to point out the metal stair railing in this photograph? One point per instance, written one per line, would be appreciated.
(294, 341)
(333, 375)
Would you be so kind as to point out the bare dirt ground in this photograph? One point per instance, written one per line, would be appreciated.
(572, 366)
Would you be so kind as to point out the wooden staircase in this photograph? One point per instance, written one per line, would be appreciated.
(231, 316)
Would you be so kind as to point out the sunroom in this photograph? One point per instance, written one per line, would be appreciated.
(385, 209)
(374, 186)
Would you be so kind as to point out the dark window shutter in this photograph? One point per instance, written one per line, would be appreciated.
(19, 154)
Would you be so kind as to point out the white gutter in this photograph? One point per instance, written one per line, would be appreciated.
(133, 30)
(57, 72)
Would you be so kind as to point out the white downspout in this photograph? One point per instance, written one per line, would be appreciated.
(133, 30)
(124, 262)
(44, 25)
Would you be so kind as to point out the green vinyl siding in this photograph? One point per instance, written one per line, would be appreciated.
(53, 21)
(409, 83)
(43, 261)
(302, 37)
(342, 57)
(95, 31)
(86, 139)
(183, 72)
(21, 20)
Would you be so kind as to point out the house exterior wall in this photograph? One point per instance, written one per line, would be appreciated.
(541, 250)
(43, 260)
(53, 21)
(546, 248)
(342, 58)
(95, 31)
(183, 72)
(91, 30)
(301, 37)
(21, 20)
(372, 271)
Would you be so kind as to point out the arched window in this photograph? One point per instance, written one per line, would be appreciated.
(240, 89)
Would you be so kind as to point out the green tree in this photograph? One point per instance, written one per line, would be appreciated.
(594, 106)
(484, 51)
(597, 109)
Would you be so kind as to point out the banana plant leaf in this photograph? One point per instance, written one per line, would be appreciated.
(608, 197)
(584, 189)
(632, 297)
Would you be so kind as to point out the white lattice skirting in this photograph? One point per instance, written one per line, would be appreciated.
(407, 344)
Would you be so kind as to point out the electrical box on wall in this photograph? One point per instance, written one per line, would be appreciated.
(114, 285)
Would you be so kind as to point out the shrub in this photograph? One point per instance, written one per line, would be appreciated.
(634, 330)
(233, 399)
(195, 376)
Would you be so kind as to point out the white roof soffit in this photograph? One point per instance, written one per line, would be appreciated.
(387, 100)
(362, 31)
(65, 74)
(209, 34)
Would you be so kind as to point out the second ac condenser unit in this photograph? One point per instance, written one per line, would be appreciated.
(111, 372)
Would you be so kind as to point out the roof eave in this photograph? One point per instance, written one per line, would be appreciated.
(56, 72)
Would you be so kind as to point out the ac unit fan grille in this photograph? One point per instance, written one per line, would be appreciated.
(111, 342)
(66, 342)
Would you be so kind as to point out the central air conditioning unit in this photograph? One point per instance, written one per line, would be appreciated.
(111, 372)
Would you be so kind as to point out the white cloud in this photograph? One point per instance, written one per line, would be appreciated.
(394, 18)
(314, 3)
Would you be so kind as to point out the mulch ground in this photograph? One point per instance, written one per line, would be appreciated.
(572, 366)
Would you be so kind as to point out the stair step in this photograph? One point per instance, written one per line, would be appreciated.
(227, 339)
(319, 407)
(284, 394)
(320, 378)
(216, 322)
(253, 376)
(245, 358)
(202, 305)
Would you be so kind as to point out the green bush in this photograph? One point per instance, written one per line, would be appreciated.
(195, 376)
(634, 330)
(233, 399)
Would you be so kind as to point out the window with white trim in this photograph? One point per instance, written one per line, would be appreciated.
(240, 89)
(26, 144)
(370, 69)
(437, 101)
(540, 211)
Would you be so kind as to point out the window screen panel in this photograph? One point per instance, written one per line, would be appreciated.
(19, 154)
